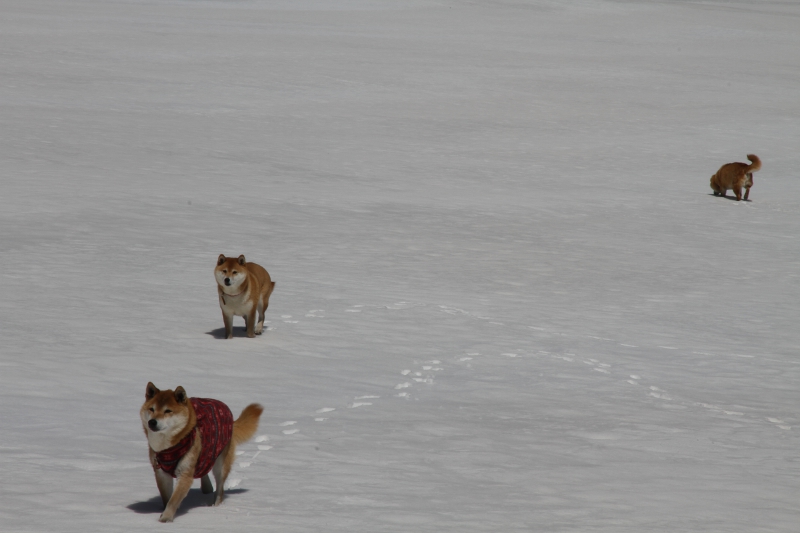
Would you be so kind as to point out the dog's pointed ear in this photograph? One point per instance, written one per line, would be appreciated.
(150, 391)
(220, 259)
(180, 395)
(241, 260)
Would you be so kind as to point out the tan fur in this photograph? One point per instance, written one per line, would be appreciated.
(735, 176)
(175, 418)
(246, 294)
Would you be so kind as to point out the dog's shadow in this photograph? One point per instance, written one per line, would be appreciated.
(219, 333)
(710, 194)
(194, 499)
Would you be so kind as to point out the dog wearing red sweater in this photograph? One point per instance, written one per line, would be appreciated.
(190, 437)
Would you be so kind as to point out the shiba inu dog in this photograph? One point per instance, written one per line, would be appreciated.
(244, 289)
(190, 437)
(735, 176)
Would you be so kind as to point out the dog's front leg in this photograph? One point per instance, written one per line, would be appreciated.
(250, 322)
(164, 483)
(228, 321)
(181, 490)
(184, 474)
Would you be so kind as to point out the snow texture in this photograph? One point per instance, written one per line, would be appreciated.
(500, 273)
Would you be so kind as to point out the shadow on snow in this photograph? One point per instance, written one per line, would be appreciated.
(194, 499)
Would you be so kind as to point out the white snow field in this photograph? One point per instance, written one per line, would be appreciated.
(506, 300)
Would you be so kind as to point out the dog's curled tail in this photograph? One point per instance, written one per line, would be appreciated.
(247, 424)
(755, 163)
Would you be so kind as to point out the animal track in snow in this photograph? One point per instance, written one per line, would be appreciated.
(452, 310)
(780, 423)
(289, 431)
(658, 393)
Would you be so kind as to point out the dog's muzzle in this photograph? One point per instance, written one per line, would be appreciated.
(228, 282)
(153, 424)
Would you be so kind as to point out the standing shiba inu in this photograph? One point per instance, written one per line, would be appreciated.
(735, 176)
(190, 437)
(244, 289)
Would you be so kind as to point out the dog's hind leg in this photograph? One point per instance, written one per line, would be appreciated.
(747, 184)
(222, 467)
(205, 485)
(260, 325)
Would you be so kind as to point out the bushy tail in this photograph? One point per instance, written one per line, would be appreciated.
(247, 424)
(755, 163)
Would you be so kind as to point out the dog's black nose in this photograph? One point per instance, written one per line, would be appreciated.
(153, 423)
(228, 281)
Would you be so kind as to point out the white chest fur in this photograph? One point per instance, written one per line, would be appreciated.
(239, 305)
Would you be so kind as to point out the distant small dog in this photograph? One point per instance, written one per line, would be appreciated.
(244, 290)
(735, 176)
(190, 437)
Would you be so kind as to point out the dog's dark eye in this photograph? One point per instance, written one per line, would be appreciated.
(224, 270)
(152, 410)
(167, 411)
(234, 272)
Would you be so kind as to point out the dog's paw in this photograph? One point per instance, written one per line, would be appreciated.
(165, 518)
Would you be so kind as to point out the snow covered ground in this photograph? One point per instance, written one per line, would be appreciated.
(505, 299)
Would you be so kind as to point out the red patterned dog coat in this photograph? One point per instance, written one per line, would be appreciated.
(215, 424)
